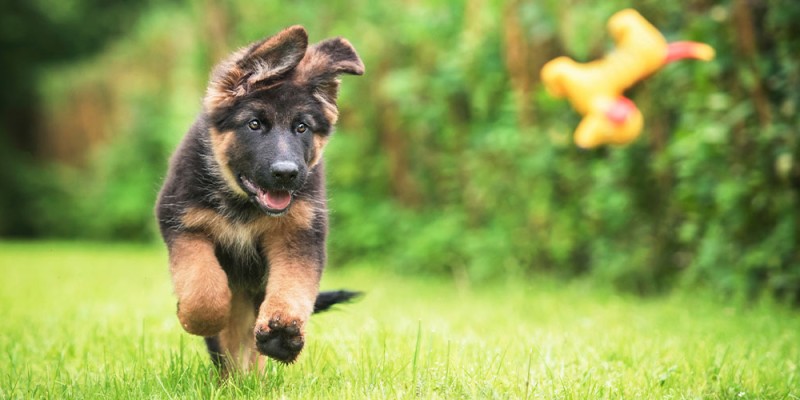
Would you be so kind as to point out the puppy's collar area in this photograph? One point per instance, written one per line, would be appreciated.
(272, 202)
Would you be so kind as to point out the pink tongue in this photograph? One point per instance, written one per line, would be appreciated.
(276, 200)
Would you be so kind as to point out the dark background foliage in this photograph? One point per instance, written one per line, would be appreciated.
(449, 158)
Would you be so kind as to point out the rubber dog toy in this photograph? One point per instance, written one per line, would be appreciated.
(595, 89)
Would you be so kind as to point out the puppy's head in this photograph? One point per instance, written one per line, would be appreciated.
(272, 106)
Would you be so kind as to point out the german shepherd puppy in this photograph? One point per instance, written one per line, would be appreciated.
(243, 210)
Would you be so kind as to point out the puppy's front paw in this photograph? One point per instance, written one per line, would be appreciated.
(280, 338)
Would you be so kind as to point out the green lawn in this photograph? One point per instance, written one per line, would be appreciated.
(97, 321)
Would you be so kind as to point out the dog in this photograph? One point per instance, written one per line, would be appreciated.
(243, 210)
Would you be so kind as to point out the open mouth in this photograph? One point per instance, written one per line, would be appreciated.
(273, 202)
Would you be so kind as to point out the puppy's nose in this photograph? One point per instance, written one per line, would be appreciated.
(284, 171)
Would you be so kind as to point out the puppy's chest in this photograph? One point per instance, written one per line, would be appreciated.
(239, 246)
(242, 238)
(245, 262)
(224, 230)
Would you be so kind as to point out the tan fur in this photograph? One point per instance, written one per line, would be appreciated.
(319, 148)
(314, 63)
(225, 87)
(200, 285)
(292, 286)
(238, 235)
(317, 62)
(237, 339)
(330, 109)
(263, 70)
(244, 236)
(220, 142)
(293, 281)
(228, 79)
(221, 230)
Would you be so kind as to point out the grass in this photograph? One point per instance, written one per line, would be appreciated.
(97, 321)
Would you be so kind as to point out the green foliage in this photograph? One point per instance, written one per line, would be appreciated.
(451, 159)
(38, 32)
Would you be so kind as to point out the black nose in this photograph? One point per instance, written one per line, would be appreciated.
(284, 171)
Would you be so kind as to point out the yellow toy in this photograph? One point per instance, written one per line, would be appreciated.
(595, 89)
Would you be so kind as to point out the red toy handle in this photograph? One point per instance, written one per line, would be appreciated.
(687, 49)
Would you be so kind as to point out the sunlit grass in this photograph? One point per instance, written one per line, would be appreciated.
(97, 321)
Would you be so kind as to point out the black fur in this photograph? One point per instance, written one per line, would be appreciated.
(326, 300)
(215, 351)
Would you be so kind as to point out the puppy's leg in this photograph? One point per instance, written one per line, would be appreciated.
(295, 265)
(236, 339)
(204, 299)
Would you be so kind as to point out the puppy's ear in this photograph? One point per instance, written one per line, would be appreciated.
(257, 63)
(328, 59)
(322, 65)
(275, 55)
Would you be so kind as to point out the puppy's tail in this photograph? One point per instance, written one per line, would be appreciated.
(326, 300)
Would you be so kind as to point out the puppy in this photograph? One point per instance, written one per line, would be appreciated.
(243, 209)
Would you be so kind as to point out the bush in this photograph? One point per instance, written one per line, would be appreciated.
(451, 158)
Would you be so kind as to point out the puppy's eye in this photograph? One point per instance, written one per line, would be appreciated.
(254, 124)
(301, 128)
